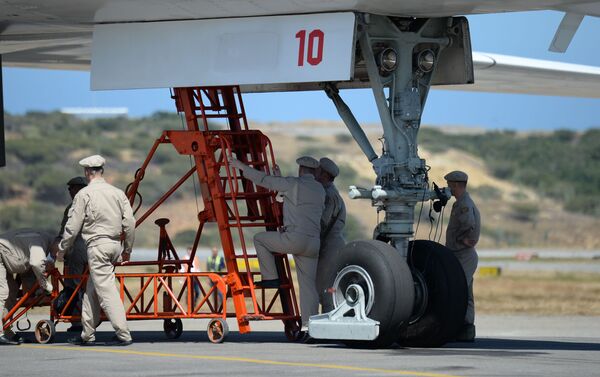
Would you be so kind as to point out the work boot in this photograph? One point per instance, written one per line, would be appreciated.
(273, 283)
(7, 342)
(115, 341)
(77, 341)
(18, 338)
(466, 334)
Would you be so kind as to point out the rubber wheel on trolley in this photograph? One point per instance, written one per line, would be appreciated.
(446, 293)
(45, 331)
(386, 281)
(292, 330)
(217, 330)
(173, 328)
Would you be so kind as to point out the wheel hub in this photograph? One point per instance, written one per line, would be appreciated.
(342, 286)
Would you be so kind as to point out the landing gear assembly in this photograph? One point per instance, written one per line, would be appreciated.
(401, 58)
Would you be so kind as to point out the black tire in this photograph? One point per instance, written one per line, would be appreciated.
(392, 284)
(173, 328)
(446, 287)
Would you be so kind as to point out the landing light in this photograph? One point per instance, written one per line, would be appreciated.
(425, 60)
(388, 60)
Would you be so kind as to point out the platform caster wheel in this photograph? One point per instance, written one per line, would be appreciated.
(292, 331)
(173, 328)
(217, 330)
(45, 331)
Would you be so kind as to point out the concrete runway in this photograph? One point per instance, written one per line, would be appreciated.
(506, 346)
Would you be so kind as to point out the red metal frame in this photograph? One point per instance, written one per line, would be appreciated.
(226, 195)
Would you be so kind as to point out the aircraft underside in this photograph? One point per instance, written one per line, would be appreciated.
(384, 290)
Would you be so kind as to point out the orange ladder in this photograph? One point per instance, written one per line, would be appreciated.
(230, 200)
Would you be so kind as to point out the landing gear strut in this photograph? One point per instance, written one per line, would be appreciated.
(402, 58)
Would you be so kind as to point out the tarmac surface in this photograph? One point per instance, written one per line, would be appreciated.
(506, 346)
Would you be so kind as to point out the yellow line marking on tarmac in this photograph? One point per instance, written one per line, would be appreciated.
(243, 360)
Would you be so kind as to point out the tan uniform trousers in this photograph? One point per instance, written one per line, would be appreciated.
(102, 293)
(305, 250)
(468, 259)
(326, 269)
(8, 292)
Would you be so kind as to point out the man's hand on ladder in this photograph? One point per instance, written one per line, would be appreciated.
(276, 171)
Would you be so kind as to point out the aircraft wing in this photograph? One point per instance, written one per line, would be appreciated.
(36, 34)
(511, 74)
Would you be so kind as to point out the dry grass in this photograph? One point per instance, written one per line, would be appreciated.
(533, 293)
(538, 293)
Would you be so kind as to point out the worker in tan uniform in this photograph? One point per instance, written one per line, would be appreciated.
(333, 221)
(101, 213)
(22, 251)
(462, 235)
(303, 201)
(76, 258)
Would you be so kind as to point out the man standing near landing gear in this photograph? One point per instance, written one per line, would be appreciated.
(462, 235)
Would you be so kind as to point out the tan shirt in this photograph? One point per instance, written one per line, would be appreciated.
(101, 212)
(464, 223)
(303, 200)
(334, 214)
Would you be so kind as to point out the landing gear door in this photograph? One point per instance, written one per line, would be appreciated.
(455, 63)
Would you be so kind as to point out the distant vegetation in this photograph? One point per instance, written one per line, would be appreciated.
(562, 165)
(43, 149)
(42, 153)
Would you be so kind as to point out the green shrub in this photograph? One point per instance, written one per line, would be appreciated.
(343, 138)
(525, 211)
(316, 151)
(35, 215)
(51, 187)
(487, 192)
(305, 138)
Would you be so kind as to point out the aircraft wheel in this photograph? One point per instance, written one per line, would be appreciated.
(441, 296)
(173, 328)
(386, 281)
(217, 330)
(45, 331)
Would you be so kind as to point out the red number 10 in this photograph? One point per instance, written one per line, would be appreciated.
(314, 36)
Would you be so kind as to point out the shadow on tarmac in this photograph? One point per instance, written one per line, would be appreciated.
(186, 337)
(488, 346)
(525, 344)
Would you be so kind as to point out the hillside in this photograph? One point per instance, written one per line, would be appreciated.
(534, 190)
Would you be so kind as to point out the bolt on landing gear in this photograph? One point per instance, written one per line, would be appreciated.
(401, 58)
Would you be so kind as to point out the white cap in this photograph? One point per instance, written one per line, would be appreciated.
(329, 166)
(95, 161)
(308, 162)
